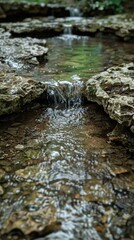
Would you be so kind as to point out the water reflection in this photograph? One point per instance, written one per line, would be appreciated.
(71, 55)
(77, 56)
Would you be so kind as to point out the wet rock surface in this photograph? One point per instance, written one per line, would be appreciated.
(19, 52)
(17, 91)
(114, 90)
(2, 173)
(121, 26)
(31, 225)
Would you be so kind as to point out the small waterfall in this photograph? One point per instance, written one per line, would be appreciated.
(67, 29)
(65, 94)
(74, 12)
(75, 16)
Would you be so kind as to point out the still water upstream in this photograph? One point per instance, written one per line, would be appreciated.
(59, 173)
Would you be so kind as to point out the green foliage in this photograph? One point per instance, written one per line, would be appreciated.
(101, 5)
(116, 5)
(36, 1)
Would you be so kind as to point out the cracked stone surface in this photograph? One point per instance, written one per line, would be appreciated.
(17, 91)
(114, 90)
(16, 52)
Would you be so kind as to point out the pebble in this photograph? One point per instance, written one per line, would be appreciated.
(1, 190)
(2, 173)
(19, 147)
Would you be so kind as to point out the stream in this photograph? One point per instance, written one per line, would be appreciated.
(59, 168)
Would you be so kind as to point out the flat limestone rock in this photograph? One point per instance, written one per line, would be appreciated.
(37, 28)
(121, 26)
(16, 52)
(17, 91)
(114, 90)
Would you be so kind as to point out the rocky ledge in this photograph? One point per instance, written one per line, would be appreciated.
(17, 91)
(40, 28)
(17, 52)
(121, 26)
(114, 90)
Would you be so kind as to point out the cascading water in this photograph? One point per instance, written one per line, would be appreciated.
(67, 29)
(66, 94)
(75, 16)
(74, 12)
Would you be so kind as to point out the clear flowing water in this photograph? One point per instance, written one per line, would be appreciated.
(60, 175)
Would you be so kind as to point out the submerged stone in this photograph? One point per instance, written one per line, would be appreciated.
(97, 191)
(31, 224)
(2, 173)
(19, 147)
(32, 174)
(121, 26)
(1, 190)
(114, 90)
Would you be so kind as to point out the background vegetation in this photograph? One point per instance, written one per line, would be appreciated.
(105, 4)
(112, 6)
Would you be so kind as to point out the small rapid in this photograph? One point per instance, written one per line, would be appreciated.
(66, 94)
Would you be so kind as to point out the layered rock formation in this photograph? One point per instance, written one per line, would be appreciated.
(114, 90)
(39, 28)
(17, 91)
(121, 26)
(17, 52)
